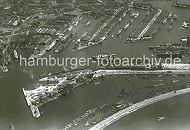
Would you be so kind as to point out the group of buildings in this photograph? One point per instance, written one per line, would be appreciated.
(173, 49)
(182, 3)
(36, 26)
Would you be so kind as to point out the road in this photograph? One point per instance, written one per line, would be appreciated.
(129, 72)
(137, 106)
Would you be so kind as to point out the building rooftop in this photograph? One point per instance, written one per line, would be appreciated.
(187, 2)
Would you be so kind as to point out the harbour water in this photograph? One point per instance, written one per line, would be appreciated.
(175, 110)
(57, 114)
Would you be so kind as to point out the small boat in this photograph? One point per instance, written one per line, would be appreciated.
(85, 33)
(4, 68)
(175, 81)
(126, 26)
(88, 23)
(87, 123)
(119, 32)
(119, 19)
(160, 118)
(156, 85)
(135, 14)
(97, 83)
(12, 127)
(15, 54)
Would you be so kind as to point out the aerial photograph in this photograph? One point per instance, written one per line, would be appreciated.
(94, 64)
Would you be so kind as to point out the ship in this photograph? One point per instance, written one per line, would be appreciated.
(166, 45)
(144, 5)
(95, 58)
(169, 49)
(168, 53)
